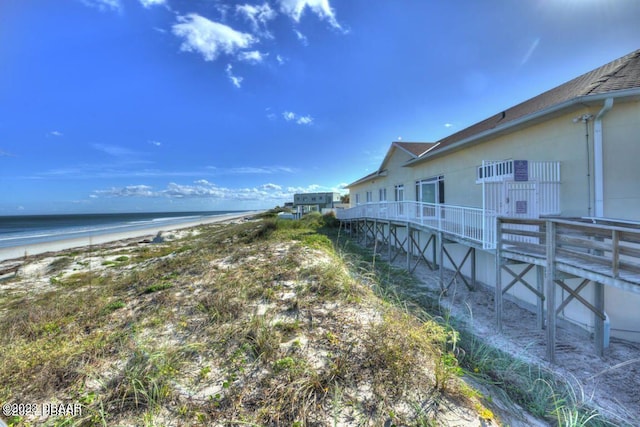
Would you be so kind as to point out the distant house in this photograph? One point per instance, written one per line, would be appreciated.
(315, 202)
(571, 152)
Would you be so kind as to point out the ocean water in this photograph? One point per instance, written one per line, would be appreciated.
(25, 230)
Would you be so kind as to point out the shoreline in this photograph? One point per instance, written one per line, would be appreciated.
(15, 253)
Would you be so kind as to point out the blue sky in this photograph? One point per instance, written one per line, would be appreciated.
(155, 105)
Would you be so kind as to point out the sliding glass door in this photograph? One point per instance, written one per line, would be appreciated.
(430, 192)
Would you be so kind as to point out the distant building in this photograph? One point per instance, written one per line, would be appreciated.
(315, 202)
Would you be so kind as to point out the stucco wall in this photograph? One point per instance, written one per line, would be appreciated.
(559, 139)
(621, 146)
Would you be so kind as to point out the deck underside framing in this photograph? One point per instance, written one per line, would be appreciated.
(423, 244)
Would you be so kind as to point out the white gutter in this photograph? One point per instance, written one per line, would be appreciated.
(579, 101)
(598, 158)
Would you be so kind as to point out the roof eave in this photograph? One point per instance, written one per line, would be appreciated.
(367, 178)
(624, 93)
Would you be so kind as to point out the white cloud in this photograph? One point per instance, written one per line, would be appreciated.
(252, 170)
(303, 39)
(532, 49)
(209, 38)
(199, 189)
(252, 57)
(104, 5)
(5, 154)
(150, 3)
(270, 114)
(448, 125)
(55, 133)
(304, 120)
(271, 186)
(156, 143)
(315, 188)
(114, 150)
(301, 120)
(308, 189)
(295, 9)
(128, 191)
(258, 17)
(234, 79)
(280, 59)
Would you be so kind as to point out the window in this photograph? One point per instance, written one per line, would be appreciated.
(382, 194)
(430, 190)
(399, 193)
(494, 170)
(357, 199)
(369, 196)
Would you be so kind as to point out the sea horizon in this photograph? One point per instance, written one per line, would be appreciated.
(25, 230)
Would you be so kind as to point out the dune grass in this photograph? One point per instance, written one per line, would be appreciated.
(257, 323)
(535, 388)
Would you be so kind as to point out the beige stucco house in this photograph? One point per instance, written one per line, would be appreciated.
(571, 152)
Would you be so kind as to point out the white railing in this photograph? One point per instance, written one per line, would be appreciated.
(465, 222)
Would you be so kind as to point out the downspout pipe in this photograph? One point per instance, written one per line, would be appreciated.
(598, 158)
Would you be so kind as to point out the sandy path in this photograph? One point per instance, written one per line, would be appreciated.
(611, 383)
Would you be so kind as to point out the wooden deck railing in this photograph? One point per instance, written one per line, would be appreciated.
(468, 223)
(603, 252)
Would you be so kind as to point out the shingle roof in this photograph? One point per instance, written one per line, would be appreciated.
(622, 73)
(415, 148)
(364, 179)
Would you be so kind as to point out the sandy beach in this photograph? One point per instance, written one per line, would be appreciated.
(59, 245)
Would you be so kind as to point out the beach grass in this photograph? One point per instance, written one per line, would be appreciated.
(263, 322)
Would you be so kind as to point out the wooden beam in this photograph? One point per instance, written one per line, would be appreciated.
(500, 262)
(575, 293)
(540, 301)
(416, 243)
(519, 277)
(441, 246)
(458, 268)
(550, 290)
(396, 242)
(598, 322)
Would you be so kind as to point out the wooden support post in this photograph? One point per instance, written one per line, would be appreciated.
(389, 244)
(550, 290)
(441, 246)
(540, 297)
(499, 263)
(433, 251)
(375, 237)
(598, 331)
(473, 269)
(409, 231)
(367, 227)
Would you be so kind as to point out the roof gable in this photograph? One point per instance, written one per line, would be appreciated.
(413, 149)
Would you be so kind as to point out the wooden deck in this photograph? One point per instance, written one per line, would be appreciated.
(589, 251)
(605, 253)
